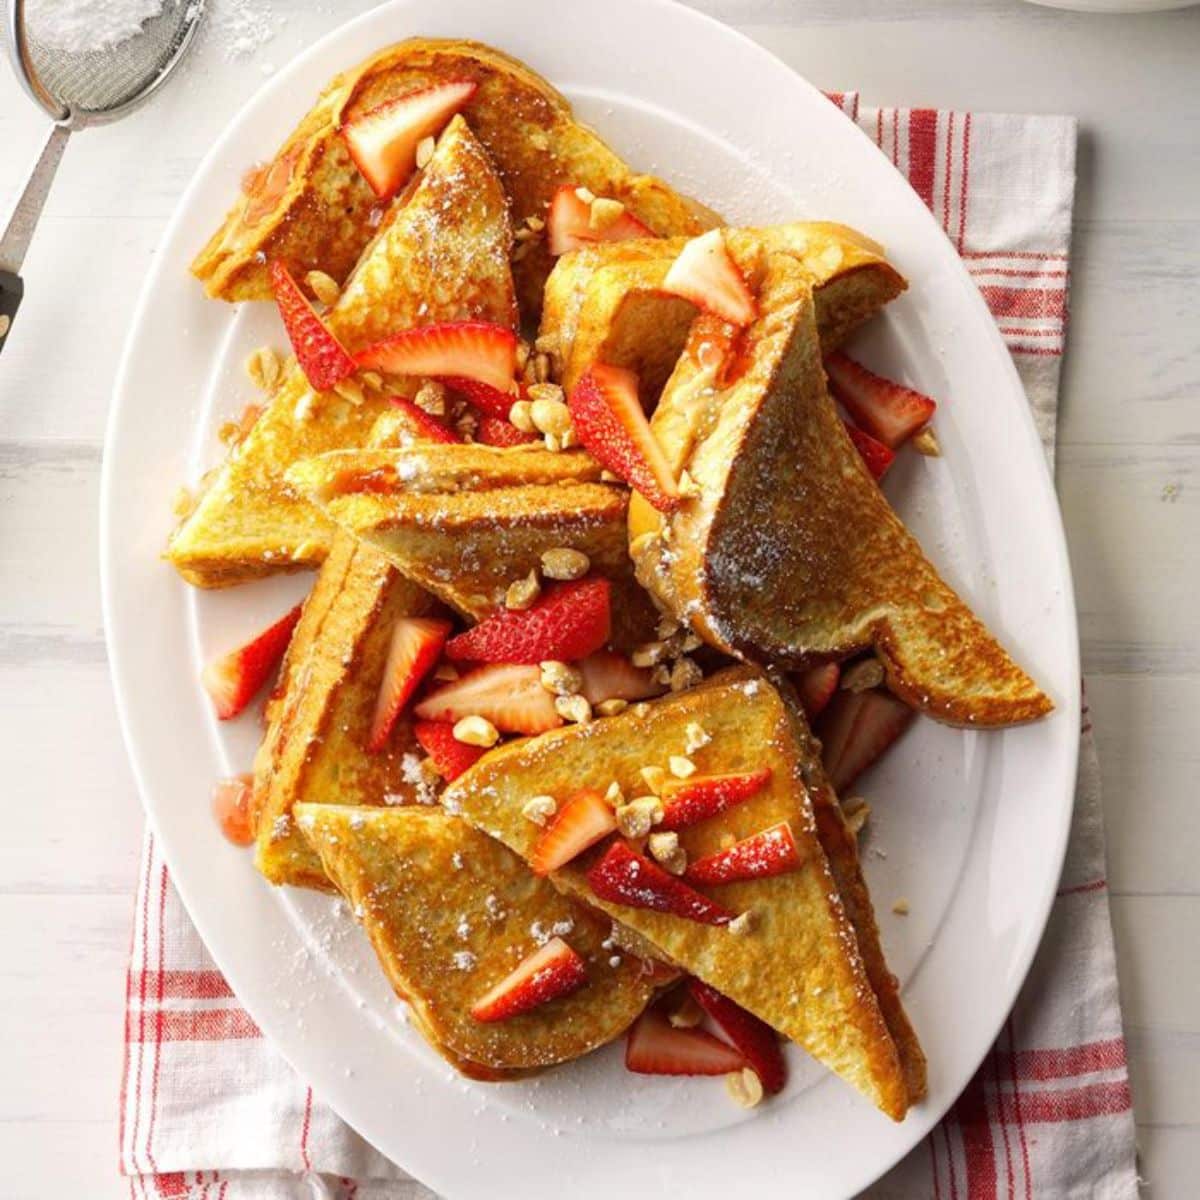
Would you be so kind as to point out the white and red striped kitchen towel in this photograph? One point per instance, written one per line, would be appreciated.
(209, 1111)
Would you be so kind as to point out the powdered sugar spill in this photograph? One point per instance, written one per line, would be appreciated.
(241, 27)
(79, 26)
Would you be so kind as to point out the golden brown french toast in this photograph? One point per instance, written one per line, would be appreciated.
(605, 303)
(311, 208)
(798, 965)
(450, 912)
(440, 255)
(798, 556)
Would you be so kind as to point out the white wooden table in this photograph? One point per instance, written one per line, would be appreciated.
(1129, 471)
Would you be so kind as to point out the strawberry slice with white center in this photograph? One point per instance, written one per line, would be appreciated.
(322, 358)
(656, 1047)
(888, 411)
(231, 807)
(233, 679)
(609, 421)
(416, 645)
(570, 224)
(581, 822)
(706, 274)
(421, 424)
(855, 731)
(450, 756)
(495, 431)
(875, 455)
(623, 876)
(553, 971)
(764, 854)
(568, 621)
(687, 802)
(816, 687)
(609, 676)
(471, 349)
(509, 695)
(383, 142)
(753, 1037)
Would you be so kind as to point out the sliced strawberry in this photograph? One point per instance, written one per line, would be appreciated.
(495, 431)
(471, 349)
(450, 756)
(855, 731)
(888, 411)
(689, 801)
(625, 877)
(705, 274)
(383, 142)
(875, 455)
(231, 807)
(769, 852)
(509, 695)
(323, 359)
(233, 679)
(568, 621)
(656, 1047)
(546, 974)
(753, 1037)
(581, 822)
(609, 676)
(816, 687)
(423, 425)
(483, 396)
(569, 225)
(416, 645)
(609, 420)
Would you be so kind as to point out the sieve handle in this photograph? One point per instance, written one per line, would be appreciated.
(22, 221)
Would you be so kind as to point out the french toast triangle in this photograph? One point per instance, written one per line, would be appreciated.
(797, 556)
(796, 961)
(465, 521)
(605, 303)
(312, 208)
(441, 255)
(450, 912)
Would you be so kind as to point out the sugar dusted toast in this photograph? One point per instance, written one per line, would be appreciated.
(798, 556)
(441, 254)
(450, 912)
(800, 966)
(311, 207)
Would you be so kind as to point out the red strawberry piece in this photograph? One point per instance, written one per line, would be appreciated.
(509, 695)
(448, 350)
(609, 676)
(816, 687)
(769, 852)
(706, 274)
(233, 679)
(568, 621)
(495, 431)
(888, 411)
(656, 1047)
(423, 426)
(552, 971)
(625, 877)
(753, 1037)
(489, 400)
(688, 801)
(450, 756)
(569, 225)
(231, 807)
(875, 455)
(856, 729)
(581, 822)
(609, 420)
(416, 645)
(383, 142)
(323, 359)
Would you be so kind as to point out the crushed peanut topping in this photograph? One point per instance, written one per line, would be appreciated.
(564, 563)
(687, 1014)
(856, 811)
(521, 417)
(431, 398)
(551, 443)
(900, 908)
(654, 778)
(585, 194)
(639, 816)
(323, 286)
(665, 849)
(546, 391)
(862, 676)
(744, 1087)
(546, 343)
(350, 390)
(613, 795)
(612, 707)
(695, 736)
(372, 379)
(688, 487)
(264, 367)
(560, 679)
(681, 767)
(604, 213)
(573, 708)
(476, 731)
(425, 149)
(535, 223)
(743, 924)
(686, 673)
(926, 443)
(667, 627)
(648, 654)
(521, 593)
(540, 809)
(549, 415)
